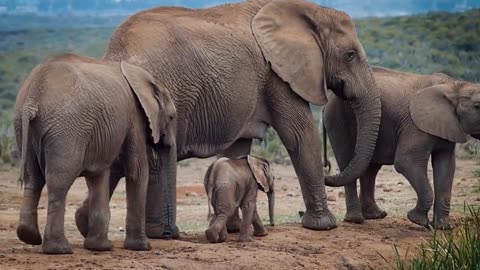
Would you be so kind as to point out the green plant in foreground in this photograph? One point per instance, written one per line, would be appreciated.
(455, 250)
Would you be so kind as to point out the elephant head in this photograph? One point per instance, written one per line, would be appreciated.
(263, 175)
(314, 48)
(449, 111)
(155, 101)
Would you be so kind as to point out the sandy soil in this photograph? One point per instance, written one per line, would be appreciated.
(288, 245)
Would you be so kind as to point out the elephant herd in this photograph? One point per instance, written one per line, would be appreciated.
(176, 83)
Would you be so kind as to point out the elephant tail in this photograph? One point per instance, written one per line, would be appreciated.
(27, 116)
(326, 162)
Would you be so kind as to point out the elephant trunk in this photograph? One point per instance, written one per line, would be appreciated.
(271, 206)
(367, 110)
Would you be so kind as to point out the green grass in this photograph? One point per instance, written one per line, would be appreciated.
(455, 250)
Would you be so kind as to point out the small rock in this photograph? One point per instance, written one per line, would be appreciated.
(387, 189)
(341, 194)
(379, 185)
(192, 194)
(330, 190)
(477, 199)
(284, 188)
(400, 184)
(113, 206)
(290, 194)
(463, 179)
(331, 198)
(121, 229)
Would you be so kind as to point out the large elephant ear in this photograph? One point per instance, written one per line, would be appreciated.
(146, 90)
(433, 112)
(285, 34)
(259, 169)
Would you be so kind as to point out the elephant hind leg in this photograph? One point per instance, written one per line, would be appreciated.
(223, 201)
(370, 209)
(239, 148)
(27, 230)
(81, 215)
(99, 214)
(58, 185)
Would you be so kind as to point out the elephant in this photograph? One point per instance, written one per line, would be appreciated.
(235, 70)
(423, 116)
(74, 117)
(233, 183)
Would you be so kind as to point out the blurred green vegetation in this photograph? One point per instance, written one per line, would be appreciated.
(436, 42)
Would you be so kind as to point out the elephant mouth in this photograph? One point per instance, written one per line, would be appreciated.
(338, 87)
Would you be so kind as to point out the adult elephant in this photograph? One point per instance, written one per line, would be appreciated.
(236, 69)
(423, 117)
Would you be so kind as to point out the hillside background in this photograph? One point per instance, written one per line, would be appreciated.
(447, 42)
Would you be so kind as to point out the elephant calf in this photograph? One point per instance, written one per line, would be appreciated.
(74, 116)
(233, 183)
(422, 116)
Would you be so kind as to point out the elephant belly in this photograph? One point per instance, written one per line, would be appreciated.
(254, 130)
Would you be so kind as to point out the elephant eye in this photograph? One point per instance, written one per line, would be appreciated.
(476, 106)
(349, 56)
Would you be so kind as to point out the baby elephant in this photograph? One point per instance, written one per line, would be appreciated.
(233, 183)
(74, 116)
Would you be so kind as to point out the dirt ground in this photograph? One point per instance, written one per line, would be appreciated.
(287, 246)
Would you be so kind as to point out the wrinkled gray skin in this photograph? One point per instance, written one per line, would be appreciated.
(423, 116)
(236, 69)
(74, 116)
(231, 184)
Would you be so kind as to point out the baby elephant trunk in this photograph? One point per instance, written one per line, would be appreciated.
(271, 206)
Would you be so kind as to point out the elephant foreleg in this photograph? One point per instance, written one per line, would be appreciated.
(294, 123)
(370, 209)
(258, 228)
(443, 164)
(413, 166)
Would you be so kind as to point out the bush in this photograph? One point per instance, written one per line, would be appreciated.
(455, 250)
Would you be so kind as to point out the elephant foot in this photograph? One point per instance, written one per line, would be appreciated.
(223, 235)
(441, 223)
(98, 244)
(373, 212)
(138, 244)
(60, 246)
(354, 217)
(418, 217)
(260, 233)
(29, 234)
(319, 222)
(81, 220)
(233, 226)
(213, 236)
(158, 231)
(244, 238)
